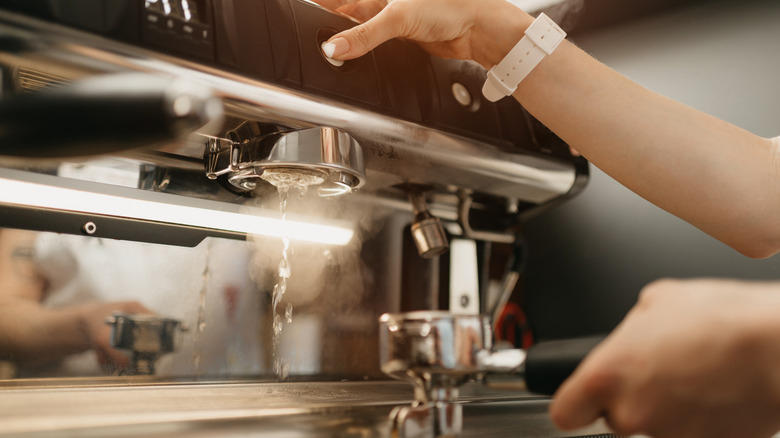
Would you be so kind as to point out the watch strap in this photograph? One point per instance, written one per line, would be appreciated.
(541, 39)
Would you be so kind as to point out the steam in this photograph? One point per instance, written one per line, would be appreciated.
(324, 281)
(315, 268)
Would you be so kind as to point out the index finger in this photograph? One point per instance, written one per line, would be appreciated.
(579, 401)
(363, 38)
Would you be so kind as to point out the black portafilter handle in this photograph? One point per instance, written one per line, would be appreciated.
(104, 114)
(548, 364)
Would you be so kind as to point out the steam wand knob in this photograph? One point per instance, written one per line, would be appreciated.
(427, 231)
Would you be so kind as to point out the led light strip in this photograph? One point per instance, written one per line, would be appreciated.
(36, 195)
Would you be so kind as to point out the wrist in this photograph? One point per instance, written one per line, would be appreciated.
(540, 40)
(497, 31)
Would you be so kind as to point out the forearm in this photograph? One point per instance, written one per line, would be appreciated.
(31, 334)
(716, 176)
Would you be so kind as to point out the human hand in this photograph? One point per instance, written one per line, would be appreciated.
(98, 333)
(483, 31)
(360, 10)
(693, 359)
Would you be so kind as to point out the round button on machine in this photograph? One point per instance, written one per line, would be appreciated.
(461, 94)
(327, 51)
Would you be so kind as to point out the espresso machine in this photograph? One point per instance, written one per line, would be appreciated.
(406, 181)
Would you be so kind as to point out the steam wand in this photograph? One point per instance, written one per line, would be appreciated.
(427, 231)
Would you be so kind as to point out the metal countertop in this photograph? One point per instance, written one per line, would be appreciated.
(338, 409)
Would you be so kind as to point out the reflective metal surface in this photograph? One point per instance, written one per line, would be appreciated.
(435, 351)
(350, 264)
(146, 336)
(440, 351)
(254, 409)
(432, 420)
(396, 151)
(427, 231)
(102, 114)
(332, 159)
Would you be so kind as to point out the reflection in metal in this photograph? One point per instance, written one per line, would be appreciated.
(398, 151)
(146, 336)
(431, 420)
(509, 280)
(435, 351)
(99, 202)
(438, 352)
(240, 408)
(106, 113)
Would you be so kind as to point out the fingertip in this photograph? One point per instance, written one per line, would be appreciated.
(328, 49)
(566, 419)
(573, 409)
(361, 39)
(336, 48)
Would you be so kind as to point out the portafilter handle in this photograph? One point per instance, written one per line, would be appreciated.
(549, 364)
(104, 114)
(435, 350)
(544, 366)
(146, 336)
(438, 351)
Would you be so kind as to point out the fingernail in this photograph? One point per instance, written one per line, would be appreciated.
(335, 48)
(328, 49)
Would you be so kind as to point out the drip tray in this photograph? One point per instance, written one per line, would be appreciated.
(343, 409)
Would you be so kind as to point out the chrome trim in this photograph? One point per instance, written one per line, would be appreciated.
(140, 407)
(330, 153)
(396, 150)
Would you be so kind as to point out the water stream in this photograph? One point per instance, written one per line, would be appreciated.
(285, 181)
(280, 368)
(201, 322)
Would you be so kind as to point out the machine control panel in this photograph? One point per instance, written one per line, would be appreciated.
(181, 25)
(278, 42)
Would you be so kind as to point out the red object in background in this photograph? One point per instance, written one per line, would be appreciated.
(512, 326)
(231, 294)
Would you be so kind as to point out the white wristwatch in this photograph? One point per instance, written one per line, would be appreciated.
(541, 38)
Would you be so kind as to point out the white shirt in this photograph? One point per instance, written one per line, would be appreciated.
(170, 281)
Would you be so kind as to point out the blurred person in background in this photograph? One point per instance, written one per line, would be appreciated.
(32, 335)
(56, 291)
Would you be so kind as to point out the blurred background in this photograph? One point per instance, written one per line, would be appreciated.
(590, 256)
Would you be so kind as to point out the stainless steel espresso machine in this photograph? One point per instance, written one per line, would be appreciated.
(349, 214)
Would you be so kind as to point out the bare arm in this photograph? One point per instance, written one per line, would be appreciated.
(720, 178)
(33, 334)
